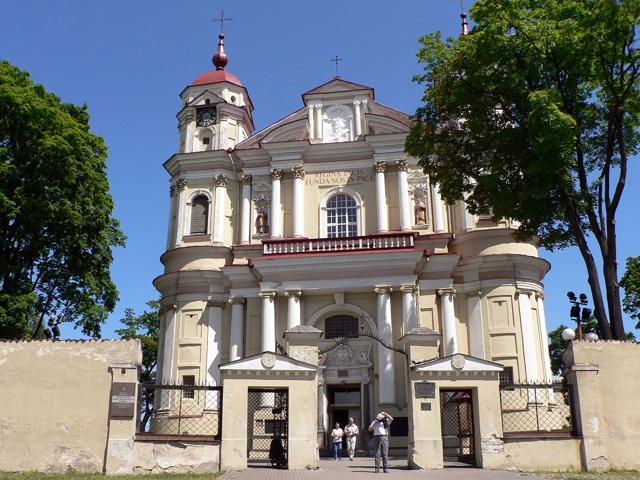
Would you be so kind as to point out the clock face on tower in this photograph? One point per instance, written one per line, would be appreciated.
(205, 117)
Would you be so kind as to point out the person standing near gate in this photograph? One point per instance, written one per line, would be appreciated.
(336, 437)
(352, 431)
(380, 429)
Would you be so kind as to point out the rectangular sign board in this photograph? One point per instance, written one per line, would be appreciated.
(425, 390)
(123, 400)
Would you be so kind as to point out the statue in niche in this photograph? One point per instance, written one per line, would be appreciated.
(262, 221)
(421, 211)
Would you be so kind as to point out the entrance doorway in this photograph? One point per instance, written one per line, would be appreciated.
(456, 413)
(268, 427)
(344, 402)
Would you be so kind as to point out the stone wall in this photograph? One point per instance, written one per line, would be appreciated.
(605, 376)
(175, 457)
(54, 403)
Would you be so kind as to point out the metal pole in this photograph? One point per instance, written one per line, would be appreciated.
(535, 399)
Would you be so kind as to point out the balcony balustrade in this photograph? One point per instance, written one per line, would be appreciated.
(294, 246)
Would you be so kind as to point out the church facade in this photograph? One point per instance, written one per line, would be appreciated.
(322, 220)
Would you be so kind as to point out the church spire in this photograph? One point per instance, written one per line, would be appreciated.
(220, 58)
(465, 24)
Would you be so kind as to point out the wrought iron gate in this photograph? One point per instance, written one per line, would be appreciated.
(456, 412)
(268, 426)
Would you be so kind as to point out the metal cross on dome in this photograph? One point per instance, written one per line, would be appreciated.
(336, 60)
(222, 19)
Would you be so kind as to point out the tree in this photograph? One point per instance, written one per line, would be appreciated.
(56, 226)
(534, 116)
(631, 283)
(146, 328)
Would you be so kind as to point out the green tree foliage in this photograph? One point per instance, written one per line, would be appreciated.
(534, 116)
(631, 283)
(56, 228)
(146, 328)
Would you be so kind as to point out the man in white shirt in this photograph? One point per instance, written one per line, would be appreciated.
(336, 440)
(380, 429)
(352, 431)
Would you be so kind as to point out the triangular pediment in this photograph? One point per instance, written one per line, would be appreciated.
(338, 85)
(268, 362)
(203, 97)
(458, 363)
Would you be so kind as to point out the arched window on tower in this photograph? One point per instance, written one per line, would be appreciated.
(199, 215)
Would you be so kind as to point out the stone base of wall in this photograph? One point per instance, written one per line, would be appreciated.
(542, 454)
(175, 457)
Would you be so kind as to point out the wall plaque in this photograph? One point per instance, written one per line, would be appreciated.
(425, 406)
(425, 390)
(123, 400)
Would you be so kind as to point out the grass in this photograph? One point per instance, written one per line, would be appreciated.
(100, 476)
(611, 475)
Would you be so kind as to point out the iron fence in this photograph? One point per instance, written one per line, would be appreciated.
(179, 412)
(537, 410)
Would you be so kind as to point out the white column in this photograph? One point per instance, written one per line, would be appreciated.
(409, 316)
(544, 335)
(449, 336)
(298, 201)
(293, 312)
(276, 204)
(381, 196)
(172, 213)
(476, 328)
(403, 194)
(245, 221)
(220, 205)
(214, 342)
(438, 209)
(188, 144)
(386, 372)
(268, 343)
(312, 130)
(169, 341)
(528, 336)
(356, 106)
(318, 108)
(236, 350)
(180, 187)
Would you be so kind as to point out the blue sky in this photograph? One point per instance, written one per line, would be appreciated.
(129, 60)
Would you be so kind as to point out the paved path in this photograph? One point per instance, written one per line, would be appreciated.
(362, 468)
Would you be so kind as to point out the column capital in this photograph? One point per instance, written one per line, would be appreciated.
(402, 165)
(277, 173)
(246, 178)
(446, 291)
(382, 289)
(217, 303)
(267, 293)
(293, 293)
(166, 308)
(408, 288)
(539, 295)
(298, 172)
(380, 166)
(236, 300)
(523, 291)
(220, 181)
(177, 186)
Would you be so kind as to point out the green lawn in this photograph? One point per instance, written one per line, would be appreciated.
(624, 475)
(99, 476)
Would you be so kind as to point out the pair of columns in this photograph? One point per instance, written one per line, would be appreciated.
(449, 334)
(276, 227)
(268, 339)
(406, 216)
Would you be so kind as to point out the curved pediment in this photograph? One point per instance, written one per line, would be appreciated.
(296, 130)
(379, 125)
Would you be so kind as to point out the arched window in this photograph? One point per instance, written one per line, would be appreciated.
(340, 326)
(199, 215)
(342, 216)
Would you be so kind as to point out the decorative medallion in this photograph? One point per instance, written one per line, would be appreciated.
(268, 360)
(457, 361)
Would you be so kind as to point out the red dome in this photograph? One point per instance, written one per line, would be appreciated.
(216, 76)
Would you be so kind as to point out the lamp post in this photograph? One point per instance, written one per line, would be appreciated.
(580, 314)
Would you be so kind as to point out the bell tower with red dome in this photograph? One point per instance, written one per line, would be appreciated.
(217, 110)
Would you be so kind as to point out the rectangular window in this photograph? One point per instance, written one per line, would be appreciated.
(506, 376)
(205, 140)
(188, 380)
(341, 326)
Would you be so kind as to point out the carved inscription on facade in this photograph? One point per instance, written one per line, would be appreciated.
(339, 177)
